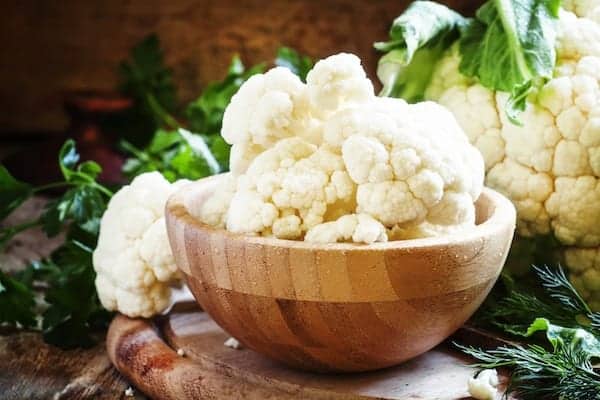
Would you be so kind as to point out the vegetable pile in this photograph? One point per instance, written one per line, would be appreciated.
(328, 161)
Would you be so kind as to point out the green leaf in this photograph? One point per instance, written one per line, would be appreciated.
(90, 168)
(16, 302)
(578, 340)
(294, 61)
(418, 39)
(509, 47)
(74, 311)
(220, 149)
(12, 192)
(199, 147)
(83, 205)
(163, 140)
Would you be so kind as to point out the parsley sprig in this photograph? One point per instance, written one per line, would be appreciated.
(70, 308)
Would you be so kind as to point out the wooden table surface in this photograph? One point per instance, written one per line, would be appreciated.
(31, 369)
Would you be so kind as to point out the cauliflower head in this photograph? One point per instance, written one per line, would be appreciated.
(549, 166)
(133, 261)
(332, 162)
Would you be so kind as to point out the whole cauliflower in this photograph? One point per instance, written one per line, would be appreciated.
(549, 166)
(133, 260)
(332, 162)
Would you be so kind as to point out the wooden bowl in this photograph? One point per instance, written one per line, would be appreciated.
(339, 307)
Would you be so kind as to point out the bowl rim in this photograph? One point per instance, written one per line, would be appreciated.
(503, 216)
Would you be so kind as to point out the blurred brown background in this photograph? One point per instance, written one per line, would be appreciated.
(51, 48)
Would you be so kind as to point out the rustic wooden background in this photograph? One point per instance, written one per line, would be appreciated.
(50, 47)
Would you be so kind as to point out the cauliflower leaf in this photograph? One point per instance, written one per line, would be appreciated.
(509, 46)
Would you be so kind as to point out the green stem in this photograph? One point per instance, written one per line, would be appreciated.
(167, 118)
(51, 186)
(104, 190)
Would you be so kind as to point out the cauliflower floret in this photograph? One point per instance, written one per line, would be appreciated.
(549, 166)
(483, 387)
(583, 8)
(357, 164)
(213, 209)
(585, 273)
(268, 107)
(406, 170)
(575, 210)
(133, 261)
(335, 81)
(295, 176)
(360, 228)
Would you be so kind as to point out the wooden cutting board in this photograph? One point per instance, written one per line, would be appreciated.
(146, 353)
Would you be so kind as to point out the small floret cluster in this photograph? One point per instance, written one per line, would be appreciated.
(328, 161)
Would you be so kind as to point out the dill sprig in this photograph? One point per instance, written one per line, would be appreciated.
(559, 367)
(552, 297)
(538, 374)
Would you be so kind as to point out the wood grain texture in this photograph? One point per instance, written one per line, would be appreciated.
(33, 370)
(339, 307)
(51, 47)
(146, 354)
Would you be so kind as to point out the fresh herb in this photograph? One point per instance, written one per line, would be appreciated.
(12, 192)
(563, 372)
(508, 46)
(72, 309)
(176, 154)
(16, 302)
(512, 305)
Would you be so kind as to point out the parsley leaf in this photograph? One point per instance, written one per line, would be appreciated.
(12, 192)
(172, 155)
(73, 310)
(16, 302)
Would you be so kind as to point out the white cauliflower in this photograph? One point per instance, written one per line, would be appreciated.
(133, 261)
(549, 166)
(360, 228)
(483, 387)
(409, 170)
(584, 264)
(364, 166)
(268, 107)
(288, 189)
(336, 81)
